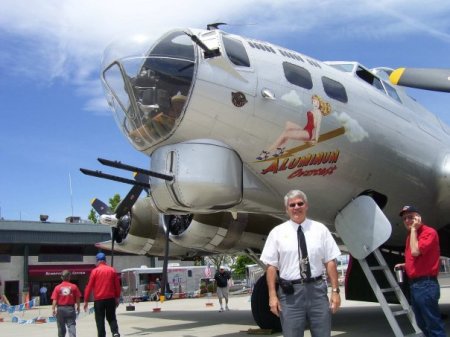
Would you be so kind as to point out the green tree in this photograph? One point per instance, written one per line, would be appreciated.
(218, 260)
(239, 266)
(93, 216)
(114, 201)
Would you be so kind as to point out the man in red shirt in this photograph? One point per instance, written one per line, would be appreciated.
(422, 254)
(64, 297)
(105, 284)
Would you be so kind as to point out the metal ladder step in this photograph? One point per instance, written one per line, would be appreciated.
(388, 290)
(400, 312)
(393, 287)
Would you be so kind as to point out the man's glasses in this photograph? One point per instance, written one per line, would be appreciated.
(408, 217)
(299, 204)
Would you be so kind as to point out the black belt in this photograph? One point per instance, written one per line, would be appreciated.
(422, 278)
(66, 305)
(306, 280)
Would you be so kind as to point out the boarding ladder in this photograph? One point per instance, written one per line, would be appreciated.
(391, 313)
(363, 228)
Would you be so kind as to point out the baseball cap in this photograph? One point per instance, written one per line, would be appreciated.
(408, 209)
(101, 257)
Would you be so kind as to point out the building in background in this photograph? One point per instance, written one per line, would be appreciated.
(33, 254)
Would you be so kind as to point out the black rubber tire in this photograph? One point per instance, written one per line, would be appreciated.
(260, 307)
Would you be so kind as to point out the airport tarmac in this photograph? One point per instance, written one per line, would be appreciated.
(196, 318)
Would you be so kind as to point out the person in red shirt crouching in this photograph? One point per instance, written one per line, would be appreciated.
(64, 298)
(421, 265)
(105, 284)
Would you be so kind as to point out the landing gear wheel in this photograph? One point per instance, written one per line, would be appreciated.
(260, 307)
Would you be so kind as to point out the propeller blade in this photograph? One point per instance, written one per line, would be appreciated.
(435, 79)
(125, 205)
(142, 178)
(100, 207)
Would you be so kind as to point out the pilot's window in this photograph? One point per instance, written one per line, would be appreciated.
(334, 89)
(297, 75)
(346, 67)
(236, 51)
(392, 92)
(377, 84)
(368, 77)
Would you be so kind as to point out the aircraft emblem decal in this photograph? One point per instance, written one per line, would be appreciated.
(238, 99)
(281, 158)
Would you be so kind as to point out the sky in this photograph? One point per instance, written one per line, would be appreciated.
(55, 120)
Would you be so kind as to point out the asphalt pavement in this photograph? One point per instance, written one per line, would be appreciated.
(200, 317)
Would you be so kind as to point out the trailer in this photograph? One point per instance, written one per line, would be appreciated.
(143, 284)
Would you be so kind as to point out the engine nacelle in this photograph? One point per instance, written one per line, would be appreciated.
(225, 232)
(207, 176)
(146, 235)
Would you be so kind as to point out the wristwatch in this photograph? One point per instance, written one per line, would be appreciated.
(336, 290)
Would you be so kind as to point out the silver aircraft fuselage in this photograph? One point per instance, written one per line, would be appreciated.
(282, 120)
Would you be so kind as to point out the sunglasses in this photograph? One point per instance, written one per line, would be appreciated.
(299, 204)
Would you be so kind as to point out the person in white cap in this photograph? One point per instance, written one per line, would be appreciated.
(222, 276)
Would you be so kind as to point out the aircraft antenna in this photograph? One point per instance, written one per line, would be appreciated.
(71, 194)
(214, 26)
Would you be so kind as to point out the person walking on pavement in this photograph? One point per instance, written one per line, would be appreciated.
(300, 250)
(222, 276)
(65, 297)
(43, 295)
(105, 284)
(422, 257)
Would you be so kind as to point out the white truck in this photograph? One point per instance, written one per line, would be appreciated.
(142, 284)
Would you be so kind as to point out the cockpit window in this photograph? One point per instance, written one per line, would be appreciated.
(392, 92)
(345, 67)
(176, 44)
(236, 51)
(149, 92)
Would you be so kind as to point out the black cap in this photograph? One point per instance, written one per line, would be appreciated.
(408, 209)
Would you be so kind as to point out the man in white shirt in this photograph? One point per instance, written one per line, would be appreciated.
(302, 294)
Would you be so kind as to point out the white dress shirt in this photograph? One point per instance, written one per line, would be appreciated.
(281, 248)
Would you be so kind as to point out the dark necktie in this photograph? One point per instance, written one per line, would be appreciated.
(305, 268)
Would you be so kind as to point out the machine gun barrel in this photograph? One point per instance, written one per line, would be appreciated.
(120, 165)
(100, 174)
